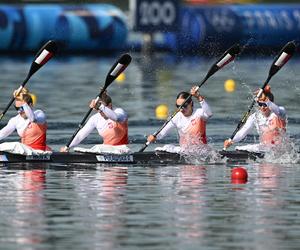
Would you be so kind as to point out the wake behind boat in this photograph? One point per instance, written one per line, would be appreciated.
(153, 157)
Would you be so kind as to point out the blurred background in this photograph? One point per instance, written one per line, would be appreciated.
(185, 27)
(124, 3)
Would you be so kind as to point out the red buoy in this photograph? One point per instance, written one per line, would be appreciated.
(239, 175)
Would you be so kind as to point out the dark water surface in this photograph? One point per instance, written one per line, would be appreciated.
(149, 207)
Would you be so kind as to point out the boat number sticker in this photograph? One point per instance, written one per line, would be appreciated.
(38, 157)
(3, 158)
(115, 158)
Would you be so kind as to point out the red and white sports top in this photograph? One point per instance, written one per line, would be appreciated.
(192, 129)
(113, 130)
(35, 136)
(32, 130)
(269, 128)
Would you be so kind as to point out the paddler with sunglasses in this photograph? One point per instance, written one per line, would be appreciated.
(270, 123)
(30, 124)
(190, 122)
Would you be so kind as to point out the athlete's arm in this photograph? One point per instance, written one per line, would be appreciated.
(117, 115)
(37, 116)
(28, 112)
(206, 110)
(166, 130)
(8, 129)
(162, 133)
(241, 134)
(278, 110)
(207, 113)
(84, 132)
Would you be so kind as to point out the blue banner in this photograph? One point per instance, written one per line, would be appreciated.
(257, 26)
(86, 27)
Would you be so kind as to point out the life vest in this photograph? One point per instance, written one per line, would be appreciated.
(34, 136)
(272, 132)
(195, 133)
(116, 133)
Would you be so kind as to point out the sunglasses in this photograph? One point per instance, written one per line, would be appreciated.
(19, 109)
(262, 104)
(183, 106)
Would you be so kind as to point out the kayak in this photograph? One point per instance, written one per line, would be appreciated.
(152, 157)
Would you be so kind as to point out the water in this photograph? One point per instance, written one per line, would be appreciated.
(154, 207)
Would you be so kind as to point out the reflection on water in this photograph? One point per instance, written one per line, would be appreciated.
(271, 185)
(191, 181)
(25, 191)
(104, 195)
(146, 207)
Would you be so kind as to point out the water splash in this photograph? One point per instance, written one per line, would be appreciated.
(285, 152)
(201, 153)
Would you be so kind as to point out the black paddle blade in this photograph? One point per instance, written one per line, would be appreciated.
(119, 66)
(43, 56)
(226, 58)
(284, 55)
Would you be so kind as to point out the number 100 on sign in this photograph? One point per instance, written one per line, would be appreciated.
(155, 15)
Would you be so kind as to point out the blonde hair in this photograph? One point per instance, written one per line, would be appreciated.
(24, 91)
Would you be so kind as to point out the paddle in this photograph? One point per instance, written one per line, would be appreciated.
(41, 58)
(284, 55)
(226, 58)
(119, 66)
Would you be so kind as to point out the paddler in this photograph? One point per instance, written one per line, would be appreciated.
(269, 120)
(30, 124)
(111, 124)
(190, 122)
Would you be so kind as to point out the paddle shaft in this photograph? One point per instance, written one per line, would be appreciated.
(171, 117)
(81, 124)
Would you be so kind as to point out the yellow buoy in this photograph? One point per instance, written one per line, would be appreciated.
(162, 111)
(34, 98)
(229, 85)
(121, 78)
